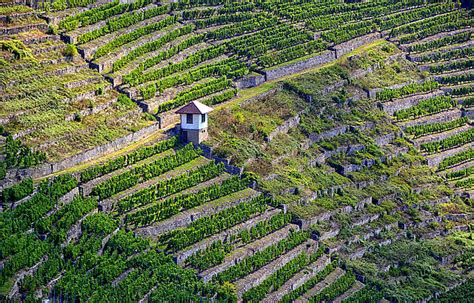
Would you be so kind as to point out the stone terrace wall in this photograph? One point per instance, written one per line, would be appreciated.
(439, 117)
(346, 47)
(250, 81)
(392, 106)
(285, 127)
(299, 66)
(231, 169)
(372, 93)
(49, 168)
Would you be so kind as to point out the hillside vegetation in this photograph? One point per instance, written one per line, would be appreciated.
(339, 165)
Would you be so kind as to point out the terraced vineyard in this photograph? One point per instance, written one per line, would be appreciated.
(338, 166)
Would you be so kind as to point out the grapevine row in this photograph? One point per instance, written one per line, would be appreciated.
(215, 253)
(465, 183)
(459, 174)
(18, 191)
(394, 93)
(298, 292)
(260, 258)
(428, 106)
(451, 142)
(128, 159)
(196, 92)
(123, 21)
(456, 159)
(434, 44)
(99, 13)
(173, 206)
(230, 68)
(144, 172)
(448, 55)
(451, 66)
(132, 36)
(335, 289)
(151, 46)
(426, 129)
(291, 53)
(278, 278)
(207, 226)
(165, 188)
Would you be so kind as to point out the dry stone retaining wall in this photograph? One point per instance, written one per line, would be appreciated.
(231, 169)
(47, 169)
(285, 127)
(346, 47)
(187, 217)
(299, 66)
(250, 81)
(263, 273)
(391, 107)
(181, 256)
(444, 116)
(434, 160)
(43, 27)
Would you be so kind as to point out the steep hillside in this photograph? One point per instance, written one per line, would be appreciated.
(338, 166)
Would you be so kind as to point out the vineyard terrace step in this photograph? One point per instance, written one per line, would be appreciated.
(71, 37)
(264, 272)
(299, 279)
(239, 254)
(104, 63)
(331, 278)
(185, 218)
(116, 77)
(444, 64)
(460, 166)
(88, 49)
(441, 135)
(87, 187)
(444, 116)
(434, 160)
(107, 204)
(439, 36)
(182, 255)
(390, 107)
(355, 288)
(191, 190)
(418, 58)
